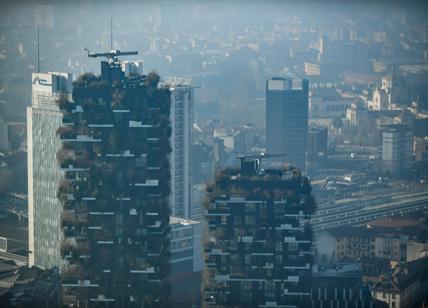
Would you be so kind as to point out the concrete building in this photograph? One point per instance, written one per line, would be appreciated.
(420, 148)
(186, 245)
(181, 117)
(312, 69)
(405, 287)
(375, 243)
(317, 143)
(396, 148)
(44, 173)
(4, 135)
(357, 115)
(416, 250)
(31, 287)
(132, 68)
(381, 100)
(233, 139)
(287, 118)
(340, 285)
(328, 103)
(393, 84)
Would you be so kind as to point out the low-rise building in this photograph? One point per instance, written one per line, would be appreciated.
(377, 242)
(405, 287)
(328, 103)
(33, 287)
(340, 284)
(381, 100)
(356, 114)
(420, 148)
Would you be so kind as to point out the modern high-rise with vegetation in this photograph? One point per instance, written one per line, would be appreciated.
(115, 189)
(258, 247)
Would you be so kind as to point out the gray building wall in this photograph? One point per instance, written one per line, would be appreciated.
(287, 118)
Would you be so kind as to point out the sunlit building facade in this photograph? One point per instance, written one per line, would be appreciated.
(44, 173)
(182, 96)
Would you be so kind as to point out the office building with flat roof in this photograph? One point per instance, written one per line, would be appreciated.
(287, 118)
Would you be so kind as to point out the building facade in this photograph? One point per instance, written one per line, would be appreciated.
(115, 190)
(258, 248)
(4, 135)
(420, 148)
(317, 143)
(381, 100)
(405, 287)
(340, 285)
(359, 243)
(44, 173)
(397, 142)
(287, 118)
(181, 139)
(186, 245)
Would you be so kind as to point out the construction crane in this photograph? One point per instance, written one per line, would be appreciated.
(251, 163)
(112, 55)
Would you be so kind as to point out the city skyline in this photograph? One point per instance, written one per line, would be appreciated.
(214, 154)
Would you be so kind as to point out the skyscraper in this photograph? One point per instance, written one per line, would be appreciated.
(115, 190)
(44, 174)
(181, 139)
(258, 248)
(287, 118)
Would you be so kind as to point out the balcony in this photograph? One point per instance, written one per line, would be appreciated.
(100, 125)
(82, 138)
(149, 183)
(139, 124)
(80, 284)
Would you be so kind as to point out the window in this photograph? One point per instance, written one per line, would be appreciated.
(292, 247)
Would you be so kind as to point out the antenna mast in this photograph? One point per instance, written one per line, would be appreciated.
(38, 49)
(113, 55)
(111, 33)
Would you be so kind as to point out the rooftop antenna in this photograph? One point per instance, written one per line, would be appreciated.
(38, 49)
(111, 33)
(113, 55)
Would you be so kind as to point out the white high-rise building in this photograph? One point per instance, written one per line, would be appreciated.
(44, 173)
(181, 139)
(186, 243)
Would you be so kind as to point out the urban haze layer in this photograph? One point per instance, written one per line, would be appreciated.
(214, 154)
